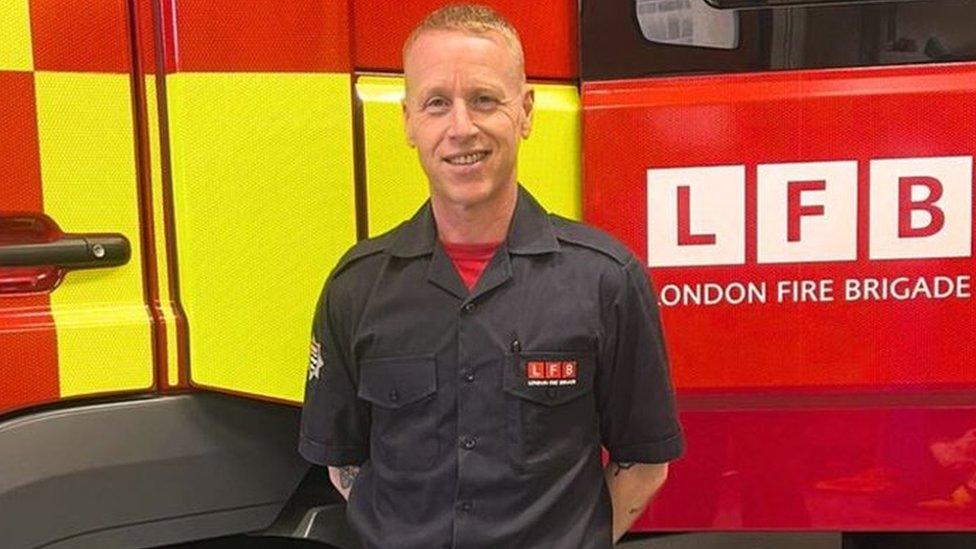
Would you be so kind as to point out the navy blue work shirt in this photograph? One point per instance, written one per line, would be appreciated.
(477, 417)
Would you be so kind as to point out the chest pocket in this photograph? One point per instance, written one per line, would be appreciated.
(402, 391)
(550, 406)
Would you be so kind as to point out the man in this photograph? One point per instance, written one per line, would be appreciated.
(467, 365)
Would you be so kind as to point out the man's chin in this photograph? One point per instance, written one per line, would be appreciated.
(465, 194)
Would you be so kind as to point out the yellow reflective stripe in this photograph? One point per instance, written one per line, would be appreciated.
(88, 171)
(549, 161)
(264, 205)
(395, 182)
(159, 234)
(15, 36)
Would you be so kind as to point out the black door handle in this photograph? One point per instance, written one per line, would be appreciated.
(70, 251)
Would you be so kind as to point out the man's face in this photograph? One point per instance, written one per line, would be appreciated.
(467, 107)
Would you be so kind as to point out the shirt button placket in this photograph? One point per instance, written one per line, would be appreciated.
(467, 406)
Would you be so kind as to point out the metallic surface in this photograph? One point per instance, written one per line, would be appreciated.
(145, 472)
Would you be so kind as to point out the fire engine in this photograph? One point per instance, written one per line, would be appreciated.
(179, 177)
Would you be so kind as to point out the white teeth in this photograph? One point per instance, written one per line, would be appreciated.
(467, 159)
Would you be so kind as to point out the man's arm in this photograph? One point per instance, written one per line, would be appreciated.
(631, 487)
(343, 477)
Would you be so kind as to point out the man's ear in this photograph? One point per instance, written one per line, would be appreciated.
(528, 104)
(408, 132)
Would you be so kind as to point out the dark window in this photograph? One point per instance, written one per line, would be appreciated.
(635, 38)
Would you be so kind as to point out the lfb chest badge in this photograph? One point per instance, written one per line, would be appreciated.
(551, 372)
(315, 360)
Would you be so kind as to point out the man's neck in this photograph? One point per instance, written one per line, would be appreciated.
(479, 224)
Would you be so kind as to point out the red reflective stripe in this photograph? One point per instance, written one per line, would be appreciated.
(85, 37)
(259, 35)
(145, 36)
(20, 170)
(28, 352)
(28, 345)
(548, 35)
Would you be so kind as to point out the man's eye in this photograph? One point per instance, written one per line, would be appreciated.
(484, 102)
(436, 104)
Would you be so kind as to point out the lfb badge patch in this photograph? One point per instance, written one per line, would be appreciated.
(551, 372)
(315, 360)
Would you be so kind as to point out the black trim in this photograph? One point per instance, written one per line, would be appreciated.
(75, 251)
(816, 35)
(169, 220)
(147, 471)
(359, 162)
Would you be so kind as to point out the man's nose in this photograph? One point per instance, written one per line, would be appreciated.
(462, 126)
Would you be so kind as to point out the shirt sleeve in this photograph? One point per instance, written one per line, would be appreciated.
(638, 420)
(335, 422)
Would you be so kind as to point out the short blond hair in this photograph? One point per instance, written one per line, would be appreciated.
(473, 19)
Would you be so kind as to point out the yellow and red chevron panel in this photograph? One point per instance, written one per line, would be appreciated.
(258, 129)
(69, 152)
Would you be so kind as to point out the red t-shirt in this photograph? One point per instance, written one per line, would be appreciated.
(470, 260)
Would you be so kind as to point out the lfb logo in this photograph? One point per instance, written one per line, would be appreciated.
(807, 211)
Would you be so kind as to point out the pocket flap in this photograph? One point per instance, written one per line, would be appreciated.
(397, 381)
(550, 378)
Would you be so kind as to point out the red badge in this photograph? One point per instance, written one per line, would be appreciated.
(551, 372)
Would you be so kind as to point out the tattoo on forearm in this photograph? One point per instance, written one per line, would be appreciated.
(617, 467)
(347, 474)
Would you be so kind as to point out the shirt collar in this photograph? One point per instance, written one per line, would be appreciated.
(529, 233)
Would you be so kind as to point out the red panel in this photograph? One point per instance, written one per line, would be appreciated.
(20, 170)
(834, 468)
(748, 120)
(28, 349)
(258, 35)
(71, 37)
(147, 44)
(547, 29)
(28, 352)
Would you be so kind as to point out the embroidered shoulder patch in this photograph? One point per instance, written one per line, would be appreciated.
(315, 360)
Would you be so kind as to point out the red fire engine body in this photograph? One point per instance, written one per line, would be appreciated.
(181, 176)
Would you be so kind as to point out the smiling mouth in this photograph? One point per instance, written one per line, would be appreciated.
(466, 159)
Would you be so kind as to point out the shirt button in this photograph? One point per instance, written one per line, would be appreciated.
(469, 377)
(516, 346)
(465, 506)
(551, 392)
(468, 443)
(468, 307)
(394, 395)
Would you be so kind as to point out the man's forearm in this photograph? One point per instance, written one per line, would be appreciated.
(632, 485)
(343, 477)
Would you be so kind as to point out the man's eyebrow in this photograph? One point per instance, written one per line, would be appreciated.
(428, 91)
(481, 88)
